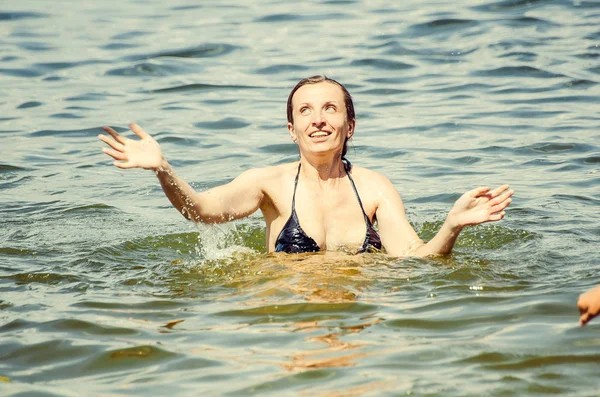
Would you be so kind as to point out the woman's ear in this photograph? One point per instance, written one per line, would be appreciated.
(351, 125)
(292, 132)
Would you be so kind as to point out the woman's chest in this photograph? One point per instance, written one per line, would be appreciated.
(334, 220)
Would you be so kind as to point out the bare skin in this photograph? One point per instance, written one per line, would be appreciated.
(326, 205)
(589, 305)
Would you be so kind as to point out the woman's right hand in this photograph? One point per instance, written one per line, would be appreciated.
(128, 153)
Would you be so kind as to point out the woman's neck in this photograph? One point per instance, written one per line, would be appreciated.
(323, 169)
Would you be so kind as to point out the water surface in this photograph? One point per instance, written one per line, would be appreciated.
(104, 287)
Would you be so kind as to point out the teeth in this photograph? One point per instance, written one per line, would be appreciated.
(319, 134)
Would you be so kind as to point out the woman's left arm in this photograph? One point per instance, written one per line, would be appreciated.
(472, 208)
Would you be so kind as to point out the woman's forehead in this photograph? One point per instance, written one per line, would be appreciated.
(317, 92)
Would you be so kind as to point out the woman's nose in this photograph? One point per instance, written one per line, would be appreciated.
(318, 119)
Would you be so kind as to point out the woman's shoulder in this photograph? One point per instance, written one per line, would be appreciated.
(273, 173)
(367, 176)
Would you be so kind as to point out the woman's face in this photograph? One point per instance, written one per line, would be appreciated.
(320, 121)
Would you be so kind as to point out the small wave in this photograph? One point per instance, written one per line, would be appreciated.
(526, 363)
(592, 160)
(90, 96)
(95, 208)
(556, 147)
(509, 5)
(172, 243)
(202, 87)
(515, 43)
(517, 71)
(595, 70)
(7, 168)
(470, 87)
(176, 140)
(453, 55)
(556, 99)
(305, 18)
(283, 148)
(5, 305)
(382, 152)
(282, 68)
(35, 46)
(151, 305)
(588, 55)
(390, 80)
(119, 46)
(384, 91)
(527, 21)
(86, 132)
(229, 123)
(63, 115)
(149, 69)
(131, 35)
(31, 104)
(201, 51)
(29, 209)
(42, 278)
(16, 15)
(185, 8)
(382, 64)
(441, 26)
(577, 198)
(74, 326)
(143, 69)
(21, 72)
(521, 56)
(16, 251)
(300, 311)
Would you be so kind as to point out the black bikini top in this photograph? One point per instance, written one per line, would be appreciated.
(294, 240)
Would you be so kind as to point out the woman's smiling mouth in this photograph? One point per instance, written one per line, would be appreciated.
(319, 134)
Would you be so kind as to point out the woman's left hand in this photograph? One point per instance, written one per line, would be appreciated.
(480, 205)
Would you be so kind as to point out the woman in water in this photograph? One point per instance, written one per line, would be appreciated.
(320, 202)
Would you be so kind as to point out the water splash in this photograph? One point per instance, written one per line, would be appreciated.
(220, 241)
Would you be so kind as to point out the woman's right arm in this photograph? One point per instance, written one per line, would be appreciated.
(237, 199)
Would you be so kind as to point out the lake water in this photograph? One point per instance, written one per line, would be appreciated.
(106, 290)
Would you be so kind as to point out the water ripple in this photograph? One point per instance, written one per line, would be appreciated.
(382, 64)
(441, 26)
(517, 71)
(16, 15)
(202, 87)
(509, 5)
(229, 123)
(208, 50)
(297, 17)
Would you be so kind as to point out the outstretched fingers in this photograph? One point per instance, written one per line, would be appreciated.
(496, 216)
(479, 191)
(116, 136)
(498, 191)
(115, 154)
(111, 142)
(138, 131)
(585, 318)
(501, 196)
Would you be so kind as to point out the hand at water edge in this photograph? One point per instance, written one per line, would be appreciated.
(480, 205)
(128, 153)
(589, 305)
